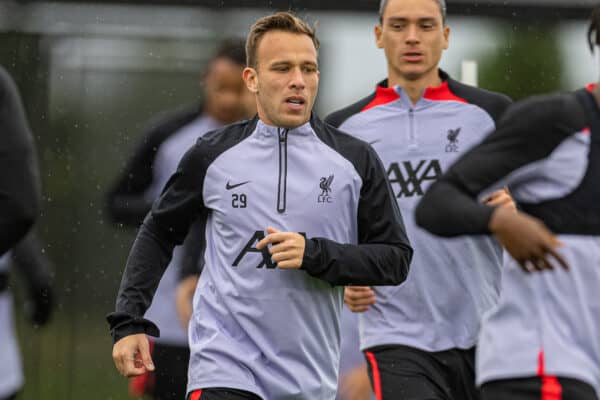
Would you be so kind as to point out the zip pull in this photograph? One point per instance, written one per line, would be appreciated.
(282, 181)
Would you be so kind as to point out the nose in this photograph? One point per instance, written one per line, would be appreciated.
(412, 35)
(297, 79)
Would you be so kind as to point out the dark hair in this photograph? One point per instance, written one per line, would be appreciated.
(233, 50)
(281, 21)
(593, 33)
(441, 3)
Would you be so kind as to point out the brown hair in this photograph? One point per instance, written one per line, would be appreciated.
(593, 33)
(281, 21)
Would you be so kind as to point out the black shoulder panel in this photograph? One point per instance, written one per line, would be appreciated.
(337, 118)
(493, 103)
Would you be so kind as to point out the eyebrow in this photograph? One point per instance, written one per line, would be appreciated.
(286, 63)
(404, 19)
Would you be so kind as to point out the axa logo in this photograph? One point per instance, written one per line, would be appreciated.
(325, 186)
(250, 247)
(408, 178)
(452, 146)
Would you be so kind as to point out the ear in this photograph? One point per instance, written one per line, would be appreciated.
(250, 77)
(378, 36)
(446, 37)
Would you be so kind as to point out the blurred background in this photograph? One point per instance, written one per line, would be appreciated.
(92, 75)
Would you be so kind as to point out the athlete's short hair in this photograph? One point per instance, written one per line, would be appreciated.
(233, 50)
(383, 4)
(281, 21)
(593, 34)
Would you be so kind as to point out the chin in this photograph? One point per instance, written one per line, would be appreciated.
(294, 121)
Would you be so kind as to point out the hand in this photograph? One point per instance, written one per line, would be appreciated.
(501, 198)
(183, 299)
(359, 298)
(287, 248)
(355, 384)
(526, 239)
(131, 355)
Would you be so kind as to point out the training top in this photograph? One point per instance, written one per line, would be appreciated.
(19, 179)
(547, 149)
(452, 282)
(270, 331)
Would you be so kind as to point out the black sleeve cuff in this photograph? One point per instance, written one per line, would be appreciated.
(123, 324)
(313, 262)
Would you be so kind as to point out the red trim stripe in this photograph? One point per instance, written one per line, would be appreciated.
(376, 375)
(551, 388)
(195, 395)
(442, 93)
(383, 95)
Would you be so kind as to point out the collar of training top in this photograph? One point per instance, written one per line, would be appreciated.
(263, 129)
(385, 94)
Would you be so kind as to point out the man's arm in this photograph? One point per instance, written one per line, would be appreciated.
(19, 179)
(383, 254)
(529, 132)
(525, 135)
(165, 226)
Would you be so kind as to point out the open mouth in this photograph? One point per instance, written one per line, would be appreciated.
(413, 56)
(298, 101)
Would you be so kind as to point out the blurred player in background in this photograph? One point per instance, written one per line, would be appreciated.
(419, 337)
(541, 342)
(19, 201)
(225, 100)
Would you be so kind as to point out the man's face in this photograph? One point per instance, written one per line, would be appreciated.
(413, 36)
(286, 78)
(225, 92)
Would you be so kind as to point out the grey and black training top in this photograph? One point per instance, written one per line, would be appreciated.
(452, 282)
(547, 150)
(256, 327)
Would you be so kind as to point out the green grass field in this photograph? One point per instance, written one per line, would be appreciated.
(69, 359)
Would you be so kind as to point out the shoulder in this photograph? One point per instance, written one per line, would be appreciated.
(495, 104)
(214, 143)
(356, 151)
(337, 118)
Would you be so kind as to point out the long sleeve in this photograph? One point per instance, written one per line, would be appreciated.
(529, 132)
(383, 253)
(165, 226)
(19, 183)
(193, 250)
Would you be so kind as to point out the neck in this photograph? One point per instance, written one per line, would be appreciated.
(414, 88)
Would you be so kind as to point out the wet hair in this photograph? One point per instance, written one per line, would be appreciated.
(441, 3)
(281, 21)
(233, 50)
(593, 34)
